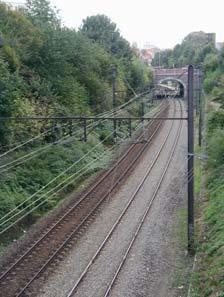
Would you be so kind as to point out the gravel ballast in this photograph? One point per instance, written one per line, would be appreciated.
(153, 258)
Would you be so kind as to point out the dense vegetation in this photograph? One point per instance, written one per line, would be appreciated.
(208, 277)
(195, 49)
(192, 50)
(47, 69)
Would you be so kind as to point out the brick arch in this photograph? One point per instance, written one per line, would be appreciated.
(178, 74)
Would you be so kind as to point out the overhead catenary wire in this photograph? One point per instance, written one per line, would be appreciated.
(33, 154)
(111, 112)
(54, 179)
(41, 203)
(68, 180)
(32, 139)
(16, 214)
(46, 147)
(8, 227)
(130, 87)
(37, 200)
(26, 142)
(34, 194)
(57, 188)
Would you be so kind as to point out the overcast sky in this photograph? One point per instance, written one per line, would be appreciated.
(163, 23)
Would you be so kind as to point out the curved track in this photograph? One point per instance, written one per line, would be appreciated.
(125, 210)
(17, 278)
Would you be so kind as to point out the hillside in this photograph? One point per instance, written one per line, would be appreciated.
(47, 69)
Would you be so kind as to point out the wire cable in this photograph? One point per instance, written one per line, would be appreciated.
(87, 167)
(48, 184)
(45, 200)
(58, 176)
(16, 214)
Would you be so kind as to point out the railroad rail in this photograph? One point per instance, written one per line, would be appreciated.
(124, 211)
(19, 275)
(144, 216)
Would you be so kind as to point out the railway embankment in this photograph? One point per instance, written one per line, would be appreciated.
(208, 275)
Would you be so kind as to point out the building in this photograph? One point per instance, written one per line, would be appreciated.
(148, 53)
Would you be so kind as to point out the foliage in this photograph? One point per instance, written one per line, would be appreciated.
(103, 31)
(196, 49)
(60, 71)
(140, 75)
(214, 76)
(215, 121)
(25, 180)
(193, 50)
(22, 39)
(41, 13)
(216, 148)
(47, 69)
(208, 277)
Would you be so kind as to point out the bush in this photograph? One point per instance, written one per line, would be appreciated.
(215, 121)
(216, 149)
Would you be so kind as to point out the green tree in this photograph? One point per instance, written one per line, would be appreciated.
(193, 50)
(41, 13)
(103, 31)
(22, 39)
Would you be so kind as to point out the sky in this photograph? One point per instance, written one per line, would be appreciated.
(163, 23)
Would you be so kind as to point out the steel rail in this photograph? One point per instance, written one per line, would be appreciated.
(124, 258)
(115, 225)
(84, 219)
(19, 260)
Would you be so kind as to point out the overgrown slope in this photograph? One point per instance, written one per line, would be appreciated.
(47, 69)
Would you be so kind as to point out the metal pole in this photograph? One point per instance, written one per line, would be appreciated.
(130, 128)
(200, 110)
(143, 109)
(190, 159)
(114, 99)
(54, 131)
(85, 129)
(70, 128)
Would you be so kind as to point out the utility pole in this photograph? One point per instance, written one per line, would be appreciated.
(85, 129)
(142, 111)
(130, 128)
(200, 109)
(190, 159)
(114, 75)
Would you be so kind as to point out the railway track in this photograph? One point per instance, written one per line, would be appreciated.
(125, 210)
(63, 233)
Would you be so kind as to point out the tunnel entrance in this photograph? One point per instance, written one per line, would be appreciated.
(170, 87)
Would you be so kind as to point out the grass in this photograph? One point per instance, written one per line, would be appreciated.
(23, 181)
(208, 277)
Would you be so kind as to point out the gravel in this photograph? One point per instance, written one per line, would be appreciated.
(153, 259)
